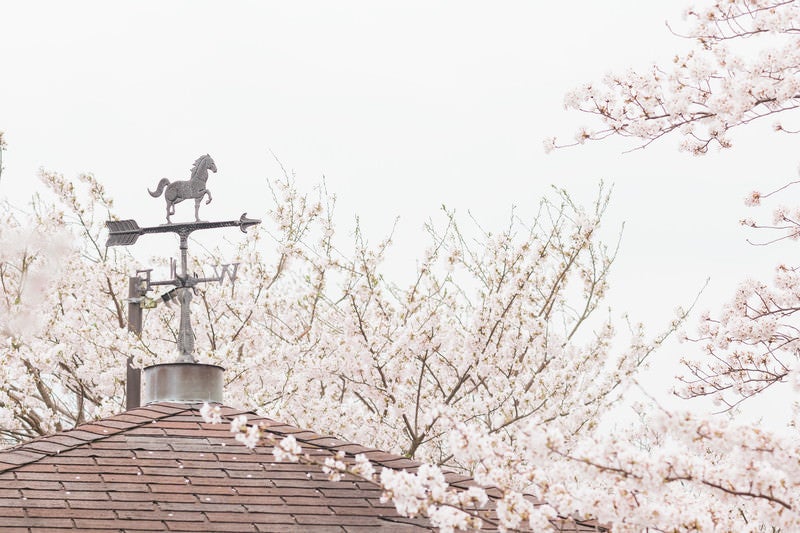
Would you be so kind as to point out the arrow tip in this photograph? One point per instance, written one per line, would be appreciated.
(245, 222)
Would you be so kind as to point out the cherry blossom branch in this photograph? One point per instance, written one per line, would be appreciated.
(425, 492)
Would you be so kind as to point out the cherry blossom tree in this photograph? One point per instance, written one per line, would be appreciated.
(61, 311)
(497, 331)
(742, 67)
(693, 472)
(496, 328)
(493, 361)
(679, 470)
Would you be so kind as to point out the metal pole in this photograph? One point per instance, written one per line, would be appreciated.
(133, 380)
(185, 333)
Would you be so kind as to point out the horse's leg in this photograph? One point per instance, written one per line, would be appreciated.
(197, 208)
(207, 192)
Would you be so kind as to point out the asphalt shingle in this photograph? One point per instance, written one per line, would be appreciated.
(161, 468)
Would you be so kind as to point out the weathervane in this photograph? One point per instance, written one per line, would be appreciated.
(126, 232)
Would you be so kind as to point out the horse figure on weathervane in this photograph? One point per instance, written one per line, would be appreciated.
(195, 187)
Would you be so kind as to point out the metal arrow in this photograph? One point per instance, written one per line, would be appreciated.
(126, 232)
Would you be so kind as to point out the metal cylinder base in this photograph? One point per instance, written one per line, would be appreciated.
(182, 383)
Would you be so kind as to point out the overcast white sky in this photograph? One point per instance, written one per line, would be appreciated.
(403, 106)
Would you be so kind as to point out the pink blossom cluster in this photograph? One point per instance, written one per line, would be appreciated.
(751, 344)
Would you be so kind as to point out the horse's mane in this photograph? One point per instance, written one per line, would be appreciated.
(197, 163)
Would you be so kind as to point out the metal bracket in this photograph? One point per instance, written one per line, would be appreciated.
(146, 302)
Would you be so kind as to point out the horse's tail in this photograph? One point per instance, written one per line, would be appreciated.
(161, 184)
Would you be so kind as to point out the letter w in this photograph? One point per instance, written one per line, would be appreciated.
(225, 272)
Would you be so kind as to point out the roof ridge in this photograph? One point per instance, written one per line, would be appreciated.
(28, 453)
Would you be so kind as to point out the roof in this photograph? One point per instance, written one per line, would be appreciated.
(161, 468)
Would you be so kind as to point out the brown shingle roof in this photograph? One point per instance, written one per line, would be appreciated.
(161, 468)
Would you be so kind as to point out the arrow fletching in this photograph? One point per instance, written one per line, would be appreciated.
(122, 232)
